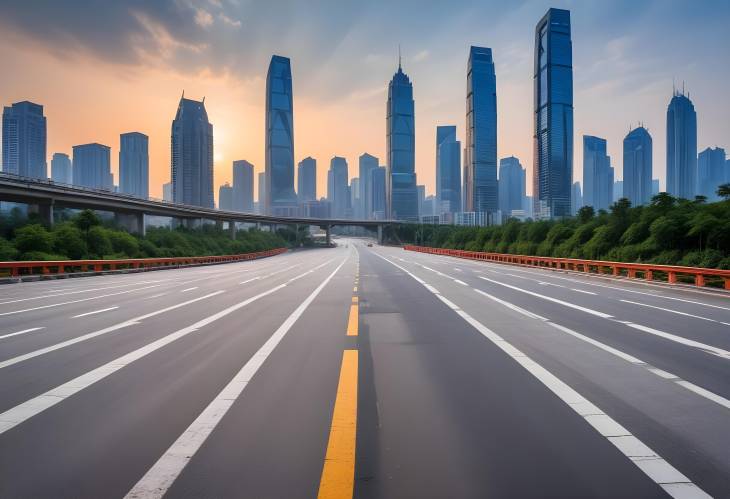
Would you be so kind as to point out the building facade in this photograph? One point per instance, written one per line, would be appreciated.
(448, 171)
(337, 193)
(637, 186)
(307, 180)
(711, 172)
(134, 164)
(681, 147)
(225, 197)
(597, 174)
(242, 186)
(24, 140)
(192, 155)
(378, 193)
(92, 166)
(512, 178)
(61, 170)
(366, 163)
(553, 136)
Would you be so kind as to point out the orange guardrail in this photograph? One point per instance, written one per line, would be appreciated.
(632, 270)
(16, 269)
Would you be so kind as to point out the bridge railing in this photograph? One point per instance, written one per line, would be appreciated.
(669, 273)
(19, 268)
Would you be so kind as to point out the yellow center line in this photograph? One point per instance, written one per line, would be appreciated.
(352, 321)
(338, 473)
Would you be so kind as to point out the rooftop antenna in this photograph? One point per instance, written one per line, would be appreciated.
(183, 95)
(674, 87)
(399, 58)
(203, 102)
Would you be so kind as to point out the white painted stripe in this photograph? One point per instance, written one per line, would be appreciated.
(54, 294)
(512, 306)
(189, 289)
(550, 298)
(674, 311)
(652, 464)
(79, 301)
(21, 332)
(22, 412)
(95, 312)
(457, 281)
(157, 295)
(159, 478)
(431, 288)
(249, 280)
(115, 327)
(582, 291)
(679, 339)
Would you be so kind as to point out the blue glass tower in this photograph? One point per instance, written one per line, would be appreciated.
(242, 186)
(481, 193)
(511, 186)
(280, 197)
(638, 166)
(448, 170)
(134, 164)
(711, 172)
(401, 194)
(192, 155)
(553, 138)
(681, 147)
(24, 140)
(307, 180)
(338, 187)
(366, 164)
(597, 174)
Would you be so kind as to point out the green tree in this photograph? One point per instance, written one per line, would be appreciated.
(98, 242)
(68, 240)
(33, 237)
(586, 214)
(724, 191)
(7, 250)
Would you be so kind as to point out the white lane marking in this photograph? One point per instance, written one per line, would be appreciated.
(652, 464)
(550, 298)
(188, 289)
(95, 312)
(24, 331)
(54, 294)
(457, 281)
(512, 306)
(157, 295)
(22, 412)
(159, 478)
(583, 291)
(79, 301)
(249, 280)
(88, 336)
(679, 339)
(674, 311)
(458, 270)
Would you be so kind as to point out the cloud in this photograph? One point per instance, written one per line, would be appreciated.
(421, 56)
(203, 18)
(236, 23)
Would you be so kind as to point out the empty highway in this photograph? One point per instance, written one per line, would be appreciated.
(366, 372)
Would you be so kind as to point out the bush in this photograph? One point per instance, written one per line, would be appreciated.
(68, 240)
(33, 237)
(124, 244)
(7, 250)
(98, 242)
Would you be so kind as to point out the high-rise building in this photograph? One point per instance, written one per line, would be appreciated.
(597, 174)
(167, 192)
(366, 163)
(711, 172)
(262, 193)
(355, 201)
(281, 198)
(481, 194)
(61, 168)
(655, 186)
(242, 186)
(577, 198)
(618, 190)
(378, 194)
(92, 166)
(638, 166)
(681, 147)
(401, 194)
(192, 155)
(24, 140)
(337, 191)
(225, 197)
(307, 180)
(421, 190)
(512, 186)
(553, 136)
(448, 171)
(134, 164)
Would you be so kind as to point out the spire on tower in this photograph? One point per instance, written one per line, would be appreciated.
(399, 58)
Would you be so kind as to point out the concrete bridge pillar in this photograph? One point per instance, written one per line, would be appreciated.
(232, 229)
(134, 223)
(327, 231)
(380, 234)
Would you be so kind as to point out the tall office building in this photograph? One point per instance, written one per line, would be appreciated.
(134, 164)
(655, 186)
(355, 201)
(681, 147)
(366, 163)
(512, 178)
(553, 136)
(637, 186)
(280, 196)
(192, 155)
(711, 172)
(61, 168)
(307, 180)
(92, 166)
(421, 190)
(597, 174)
(262, 193)
(448, 171)
(481, 194)
(242, 186)
(618, 189)
(378, 192)
(225, 197)
(24, 140)
(401, 194)
(576, 201)
(167, 192)
(338, 187)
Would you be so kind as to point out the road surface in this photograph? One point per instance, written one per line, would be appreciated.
(366, 372)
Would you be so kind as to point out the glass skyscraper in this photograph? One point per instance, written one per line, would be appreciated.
(61, 168)
(511, 186)
(337, 193)
(448, 171)
(307, 180)
(92, 166)
(638, 166)
(280, 199)
(366, 163)
(242, 186)
(225, 197)
(681, 147)
(24, 140)
(134, 164)
(553, 137)
(597, 174)
(481, 194)
(711, 172)
(378, 192)
(192, 155)
(401, 194)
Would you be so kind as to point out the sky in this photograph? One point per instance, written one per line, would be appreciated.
(105, 68)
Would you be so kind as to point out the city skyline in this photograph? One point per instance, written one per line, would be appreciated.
(636, 83)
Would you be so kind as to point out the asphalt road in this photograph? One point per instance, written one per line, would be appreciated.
(362, 372)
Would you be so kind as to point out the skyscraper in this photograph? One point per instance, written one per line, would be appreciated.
(553, 137)
(355, 201)
(61, 168)
(421, 190)
(280, 197)
(192, 155)
(366, 163)
(681, 147)
(167, 192)
(307, 180)
(24, 140)
(225, 197)
(262, 192)
(401, 195)
(378, 192)
(337, 193)
(597, 174)
(448, 171)
(482, 194)
(638, 166)
(134, 164)
(91, 166)
(242, 186)
(576, 201)
(710, 172)
(511, 186)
